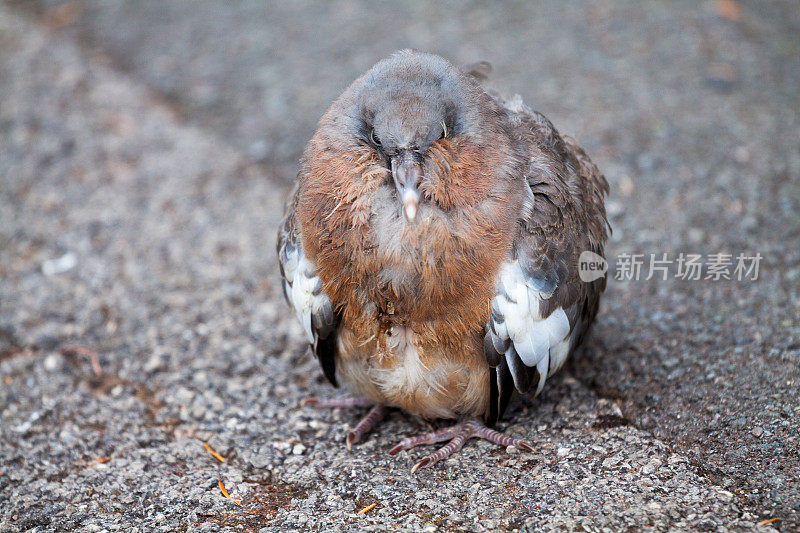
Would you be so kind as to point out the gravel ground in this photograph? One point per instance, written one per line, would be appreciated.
(146, 151)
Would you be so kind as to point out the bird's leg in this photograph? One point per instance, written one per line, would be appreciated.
(366, 424)
(374, 416)
(457, 435)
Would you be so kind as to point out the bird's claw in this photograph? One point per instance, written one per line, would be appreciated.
(351, 439)
(424, 463)
(457, 435)
(523, 445)
(396, 449)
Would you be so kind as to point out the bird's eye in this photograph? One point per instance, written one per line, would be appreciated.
(374, 138)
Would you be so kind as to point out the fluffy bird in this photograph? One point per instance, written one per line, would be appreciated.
(430, 248)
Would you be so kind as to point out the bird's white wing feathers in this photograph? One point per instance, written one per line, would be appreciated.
(304, 293)
(303, 290)
(520, 333)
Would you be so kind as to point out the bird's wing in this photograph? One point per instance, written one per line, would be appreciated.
(541, 308)
(303, 290)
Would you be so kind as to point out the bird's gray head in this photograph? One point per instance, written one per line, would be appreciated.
(410, 100)
(402, 106)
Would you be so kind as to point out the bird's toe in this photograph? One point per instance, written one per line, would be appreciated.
(457, 435)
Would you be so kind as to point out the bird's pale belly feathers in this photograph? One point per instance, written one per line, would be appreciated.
(394, 367)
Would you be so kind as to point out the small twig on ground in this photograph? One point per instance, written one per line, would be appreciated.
(213, 452)
(367, 508)
(98, 461)
(225, 493)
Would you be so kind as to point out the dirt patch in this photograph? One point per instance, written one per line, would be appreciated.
(260, 509)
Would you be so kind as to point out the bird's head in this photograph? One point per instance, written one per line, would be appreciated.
(402, 126)
(413, 168)
(406, 107)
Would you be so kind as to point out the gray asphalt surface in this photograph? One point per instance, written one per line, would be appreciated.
(145, 152)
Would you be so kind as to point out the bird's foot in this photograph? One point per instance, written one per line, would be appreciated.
(457, 435)
(366, 424)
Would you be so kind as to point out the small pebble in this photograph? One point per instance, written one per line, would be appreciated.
(62, 264)
(52, 362)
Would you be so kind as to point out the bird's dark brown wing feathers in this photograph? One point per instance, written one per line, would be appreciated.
(542, 309)
(303, 291)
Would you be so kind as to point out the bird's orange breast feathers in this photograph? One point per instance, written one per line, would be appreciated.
(435, 275)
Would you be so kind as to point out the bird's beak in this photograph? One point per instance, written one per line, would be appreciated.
(407, 174)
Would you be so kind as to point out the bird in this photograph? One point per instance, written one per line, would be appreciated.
(430, 249)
